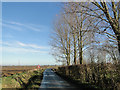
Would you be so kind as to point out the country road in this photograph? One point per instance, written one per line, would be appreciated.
(52, 80)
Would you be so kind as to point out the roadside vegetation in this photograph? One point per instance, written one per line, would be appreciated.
(86, 41)
(28, 79)
(23, 77)
(96, 76)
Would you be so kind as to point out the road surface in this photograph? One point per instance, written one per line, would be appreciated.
(52, 81)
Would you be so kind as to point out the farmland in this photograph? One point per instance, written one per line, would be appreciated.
(22, 76)
(11, 70)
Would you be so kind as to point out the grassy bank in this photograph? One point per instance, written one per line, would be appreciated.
(29, 79)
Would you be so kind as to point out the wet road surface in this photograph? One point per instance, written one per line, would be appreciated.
(52, 81)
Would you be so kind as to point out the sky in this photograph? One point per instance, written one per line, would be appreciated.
(26, 29)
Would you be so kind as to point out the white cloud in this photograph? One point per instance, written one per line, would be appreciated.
(20, 26)
(31, 45)
(12, 27)
(33, 28)
(16, 23)
(21, 44)
(18, 46)
(0, 42)
(21, 50)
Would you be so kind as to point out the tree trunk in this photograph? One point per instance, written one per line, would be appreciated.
(81, 41)
(75, 54)
(118, 38)
(81, 52)
(114, 22)
(67, 60)
(80, 47)
(69, 52)
(115, 26)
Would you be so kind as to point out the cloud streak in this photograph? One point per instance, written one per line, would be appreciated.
(23, 26)
(12, 27)
(21, 50)
(31, 45)
(23, 47)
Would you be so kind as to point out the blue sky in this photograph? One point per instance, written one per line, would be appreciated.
(26, 27)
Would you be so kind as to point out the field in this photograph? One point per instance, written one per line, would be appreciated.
(11, 70)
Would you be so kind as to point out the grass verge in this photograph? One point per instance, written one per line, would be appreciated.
(26, 80)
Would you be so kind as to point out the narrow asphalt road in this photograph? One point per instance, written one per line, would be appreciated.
(52, 81)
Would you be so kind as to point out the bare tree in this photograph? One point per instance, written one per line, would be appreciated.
(61, 41)
(86, 25)
(81, 26)
(108, 15)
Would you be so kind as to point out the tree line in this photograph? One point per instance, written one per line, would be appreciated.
(87, 32)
